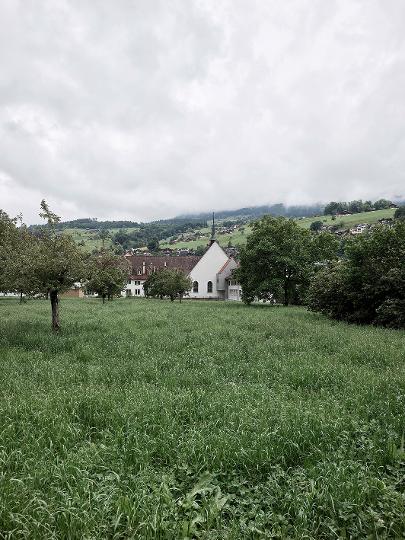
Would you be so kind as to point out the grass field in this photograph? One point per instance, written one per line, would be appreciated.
(91, 238)
(146, 419)
(353, 219)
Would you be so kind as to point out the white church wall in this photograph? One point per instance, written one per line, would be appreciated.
(206, 270)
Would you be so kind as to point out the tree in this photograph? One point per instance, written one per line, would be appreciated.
(122, 237)
(316, 226)
(153, 245)
(200, 250)
(279, 258)
(382, 204)
(400, 213)
(59, 263)
(334, 208)
(103, 234)
(368, 286)
(355, 207)
(20, 270)
(368, 206)
(19, 251)
(167, 283)
(108, 274)
(8, 244)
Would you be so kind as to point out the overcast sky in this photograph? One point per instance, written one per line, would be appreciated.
(144, 109)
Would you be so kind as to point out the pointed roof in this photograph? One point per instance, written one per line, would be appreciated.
(212, 239)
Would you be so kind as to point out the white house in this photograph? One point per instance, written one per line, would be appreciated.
(234, 290)
(209, 274)
(359, 229)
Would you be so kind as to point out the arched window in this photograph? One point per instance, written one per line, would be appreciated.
(209, 286)
(195, 286)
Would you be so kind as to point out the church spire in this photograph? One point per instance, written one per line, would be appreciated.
(213, 239)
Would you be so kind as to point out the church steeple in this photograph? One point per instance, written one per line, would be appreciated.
(213, 239)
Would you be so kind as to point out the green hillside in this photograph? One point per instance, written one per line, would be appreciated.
(352, 220)
(239, 236)
(90, 237)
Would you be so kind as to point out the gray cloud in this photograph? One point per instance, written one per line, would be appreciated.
(151, 108)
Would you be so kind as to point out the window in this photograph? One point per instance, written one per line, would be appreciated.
(195, 286)
(129, 281)
(209, 287)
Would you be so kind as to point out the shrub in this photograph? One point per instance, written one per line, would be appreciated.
(368, 286)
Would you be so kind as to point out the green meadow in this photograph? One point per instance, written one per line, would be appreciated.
(351, 220)
(151, 419)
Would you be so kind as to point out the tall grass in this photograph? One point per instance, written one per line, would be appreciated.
(151, 419)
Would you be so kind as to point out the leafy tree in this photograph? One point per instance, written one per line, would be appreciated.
(200, 250)
(323, 249)
(316, 226)
(279, 258)
(334, 208)
(8, 244)
(59, 264)
(382, 204)
(368, 206)
(400, 213)
(368, 286)
(328, 291)
(20, 270)
(108, 274)
(167, 283)
(153, 245)
(355, 207)
(122, 237)
(103, 234)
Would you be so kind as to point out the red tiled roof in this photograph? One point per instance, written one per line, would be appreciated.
(151, 263)
(224, 266)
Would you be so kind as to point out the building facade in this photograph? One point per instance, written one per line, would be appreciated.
(209, 274)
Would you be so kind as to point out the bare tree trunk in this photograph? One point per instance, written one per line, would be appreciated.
(55, 310)
(21, 298)
(103, 296)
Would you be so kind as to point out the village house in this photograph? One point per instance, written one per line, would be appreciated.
(359, 229)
